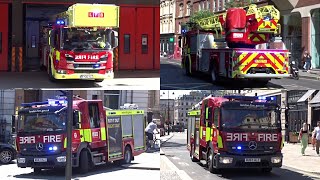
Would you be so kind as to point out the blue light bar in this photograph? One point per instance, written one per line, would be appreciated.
(239, 147)
(60, 22)
(96, 65)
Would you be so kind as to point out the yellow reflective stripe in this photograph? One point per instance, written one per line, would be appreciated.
(200, 131)
(87, 135)
(207, 113)
(219, 141)
(57, 55)
(81, 135)
(208, 134)
(282, 143)
(124, 112)
(189, 63)
(103, 133)
(79, 120)
(65, 143)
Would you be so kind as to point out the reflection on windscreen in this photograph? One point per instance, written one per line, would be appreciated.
(245, 118)
(88, 39)
(206, 41)
(42, 122)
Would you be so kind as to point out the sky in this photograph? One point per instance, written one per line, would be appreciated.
(177, 93)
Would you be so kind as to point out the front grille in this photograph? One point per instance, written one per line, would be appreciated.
(86, 71)
(263, 163)
(262, 148)
(31, 150)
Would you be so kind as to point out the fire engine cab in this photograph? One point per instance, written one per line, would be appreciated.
(80, 42)
(99, 135)
(236, 132)
(224, 45)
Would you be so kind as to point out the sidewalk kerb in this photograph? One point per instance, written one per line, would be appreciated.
(302, 171)
(182, 174)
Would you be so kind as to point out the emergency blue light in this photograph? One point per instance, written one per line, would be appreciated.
(96, 65)
(239, 147)
(60, 22)
(53, 148)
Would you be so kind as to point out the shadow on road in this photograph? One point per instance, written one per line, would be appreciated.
(173, 144)
(137, 74)
(168, 71)
(257, 174)
(57, 174)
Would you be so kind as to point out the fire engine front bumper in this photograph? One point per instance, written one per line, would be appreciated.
(234, 161)
(85, 76)
(48, 161)
(263, 75)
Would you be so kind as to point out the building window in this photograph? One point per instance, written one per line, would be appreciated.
(208, 4)
(188, 8)
(111, 99)
(214, 5)
(94, 115)
(181, 10)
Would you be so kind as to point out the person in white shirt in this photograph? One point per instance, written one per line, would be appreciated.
(149, 132)
(317, 135)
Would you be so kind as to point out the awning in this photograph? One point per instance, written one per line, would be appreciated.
(316, 99)
(306, 96)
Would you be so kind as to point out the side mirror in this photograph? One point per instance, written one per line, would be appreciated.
(115, 40)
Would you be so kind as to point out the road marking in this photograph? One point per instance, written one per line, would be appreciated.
(175, 158)
(183, 164)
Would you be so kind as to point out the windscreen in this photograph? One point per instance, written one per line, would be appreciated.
(250, 118)
(35, 122)
(87, 39)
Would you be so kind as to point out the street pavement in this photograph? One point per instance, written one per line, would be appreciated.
(145, 167)
(295, 166)
(125, 80)
(173, 78)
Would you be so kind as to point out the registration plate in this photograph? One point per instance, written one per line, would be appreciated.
(260, 61)
(252, 159)
(86, 76)
(40, 159)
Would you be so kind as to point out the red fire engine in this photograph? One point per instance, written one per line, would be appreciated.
(224, 45)
(80, 43)
(99, 135)
(236, 132)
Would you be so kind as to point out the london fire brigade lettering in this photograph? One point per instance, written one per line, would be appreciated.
(93, 57)
(51, 138)
(27, 140)
(267, 137)
(237, 137)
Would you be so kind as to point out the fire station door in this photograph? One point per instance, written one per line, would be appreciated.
(114, 136)
(96, 117)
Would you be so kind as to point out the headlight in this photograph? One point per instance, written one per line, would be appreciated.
(225, 160)
(21, 160)
(62, 159)
(59, 71)
(276, 160)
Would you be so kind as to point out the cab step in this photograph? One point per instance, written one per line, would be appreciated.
(204, 162)
(95, 154)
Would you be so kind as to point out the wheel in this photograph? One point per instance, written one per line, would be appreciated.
(36, 170)
(187, 67)
(210, 161)
(266, 170)
(6, 156)
(84, 162)
(51, 78)
(127, 155)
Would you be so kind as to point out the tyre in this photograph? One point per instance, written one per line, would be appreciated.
(127, 155)
(193, 159)
(6, 156)
(36, 170)
(210, 161)
(84, 162)
(266, 170)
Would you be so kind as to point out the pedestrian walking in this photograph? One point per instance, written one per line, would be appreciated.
(313, 142)
(317, 134)
(307, 61)
(303, 136)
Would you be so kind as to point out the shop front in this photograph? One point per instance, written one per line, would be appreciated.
(315, 109)
(315, 38)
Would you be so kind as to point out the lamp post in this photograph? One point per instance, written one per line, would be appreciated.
(168, 111)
